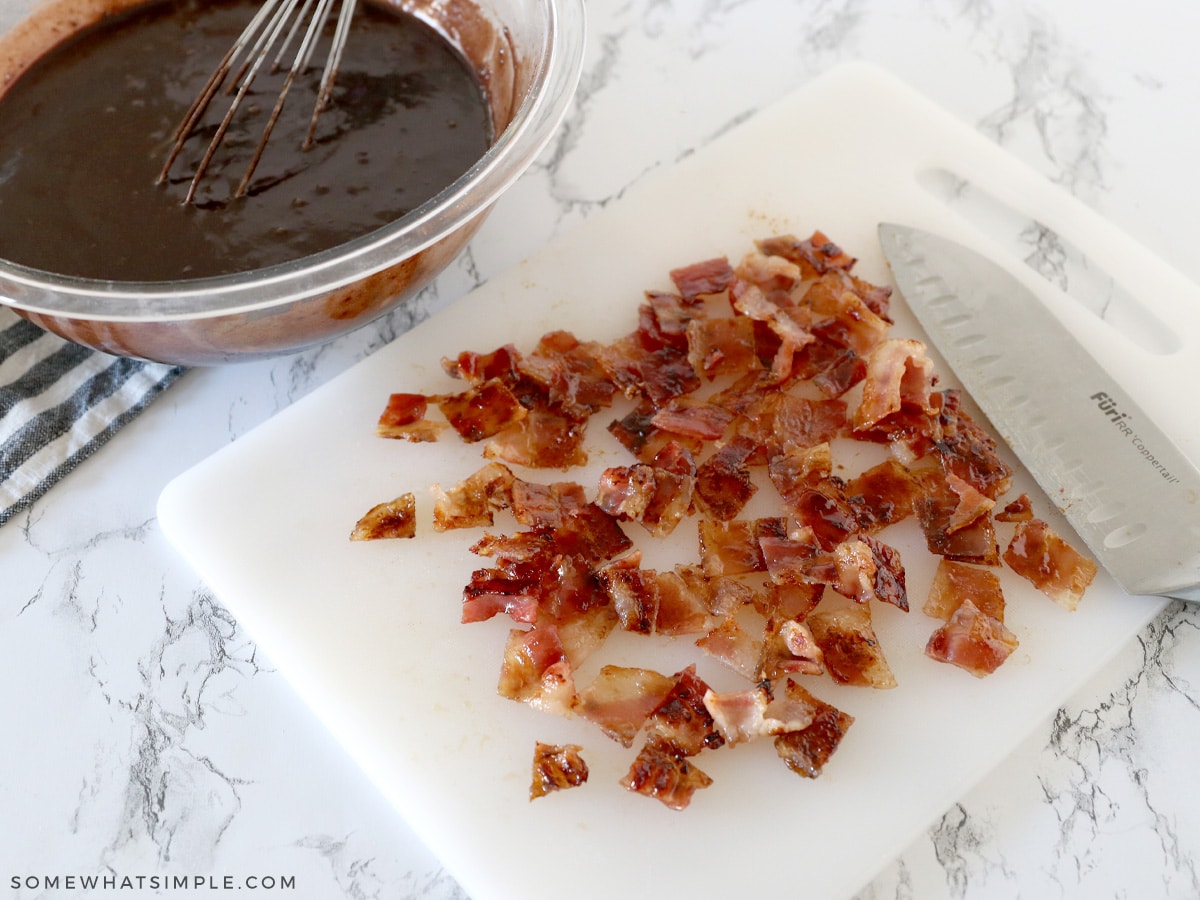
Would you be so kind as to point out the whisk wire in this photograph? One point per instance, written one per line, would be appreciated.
(261, 35)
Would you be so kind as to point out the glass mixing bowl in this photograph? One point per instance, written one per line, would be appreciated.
(527, 52)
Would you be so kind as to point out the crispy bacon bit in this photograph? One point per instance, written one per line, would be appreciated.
(662, 773)
(789, 600)
(540, 440)
(472, 502)
(620, 698)
(831, 519)
(733, 548)
(722, 346)
(723, 483)
(972, 640)
(740, 716)
(570, 374)
(482, 410)
(789, 648)
(1038, 554)
(514, 590)
(1019, 510)
(842, 317)
(556, 767)
(681, 720)
(545, 505)
(697, 279)
(936, 510)
(692, 419)
(870, 570)
(882, 495)
(800, 469)
(769, 272)
(480, 367)
(535, 670)
(968, 452)
(852, 652)
(897, 392)
(783, 321)
(815, 255)
(807, 750)
(634, 594)
(404, 418)
(393, 519)
(732, 645)
(955, 582)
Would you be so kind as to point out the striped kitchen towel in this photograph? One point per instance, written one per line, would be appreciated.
(59, 402)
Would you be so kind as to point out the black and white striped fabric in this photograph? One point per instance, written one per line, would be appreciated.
(59, 402)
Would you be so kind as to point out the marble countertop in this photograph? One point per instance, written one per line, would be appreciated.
(143, 732)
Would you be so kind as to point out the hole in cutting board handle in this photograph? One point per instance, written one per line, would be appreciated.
(1053, 257)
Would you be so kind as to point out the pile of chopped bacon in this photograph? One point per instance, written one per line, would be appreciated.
(762, 367)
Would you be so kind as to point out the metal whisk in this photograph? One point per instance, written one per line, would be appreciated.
(275, 19)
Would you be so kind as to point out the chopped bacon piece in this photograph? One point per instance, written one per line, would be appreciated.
(733, 645)
(831, 519)
(972, 640)
(789, 648)
(815, 255)
(1039, 555)
(570, 374)
(556, 767)
(882, 495)
(832, 369)
(733, 548)
(968, 452)
(800, 422)
(592, 535)
(520, 547)
(472, 502)
(541, 440)
(769, 272)
(750, 301)
(545, 505)
(721, 596)
(634, 594)
(945, 535)
(870, 570)
(807, 750)
(582, 630)
(798, 558)
(514, 590)
(620, 698)
(800, 469)
(723, 346)
(681, 608)
(789, 600)
(740, 716)
(404, 418)
(626, 491)
(1019, 510)
(392, 519)
(664, 320)
(971, 503)
(693, 419)
(852, 652)
(662, 773)
(659, 375)
(711, 276)
(897, 401)
(723, 483)
(681, 720)
(482, 410)
(477, 368)
(535, 670)
(842, 317)
(954, 582)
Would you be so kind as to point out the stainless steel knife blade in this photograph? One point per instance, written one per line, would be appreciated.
(1122, 483)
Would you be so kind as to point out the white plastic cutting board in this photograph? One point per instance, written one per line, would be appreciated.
(369, 634)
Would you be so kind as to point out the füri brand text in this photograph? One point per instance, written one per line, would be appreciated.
(1124, 423)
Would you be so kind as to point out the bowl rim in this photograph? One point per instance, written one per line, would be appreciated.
(541, 111)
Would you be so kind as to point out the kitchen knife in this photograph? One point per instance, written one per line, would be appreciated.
(1130, 493)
